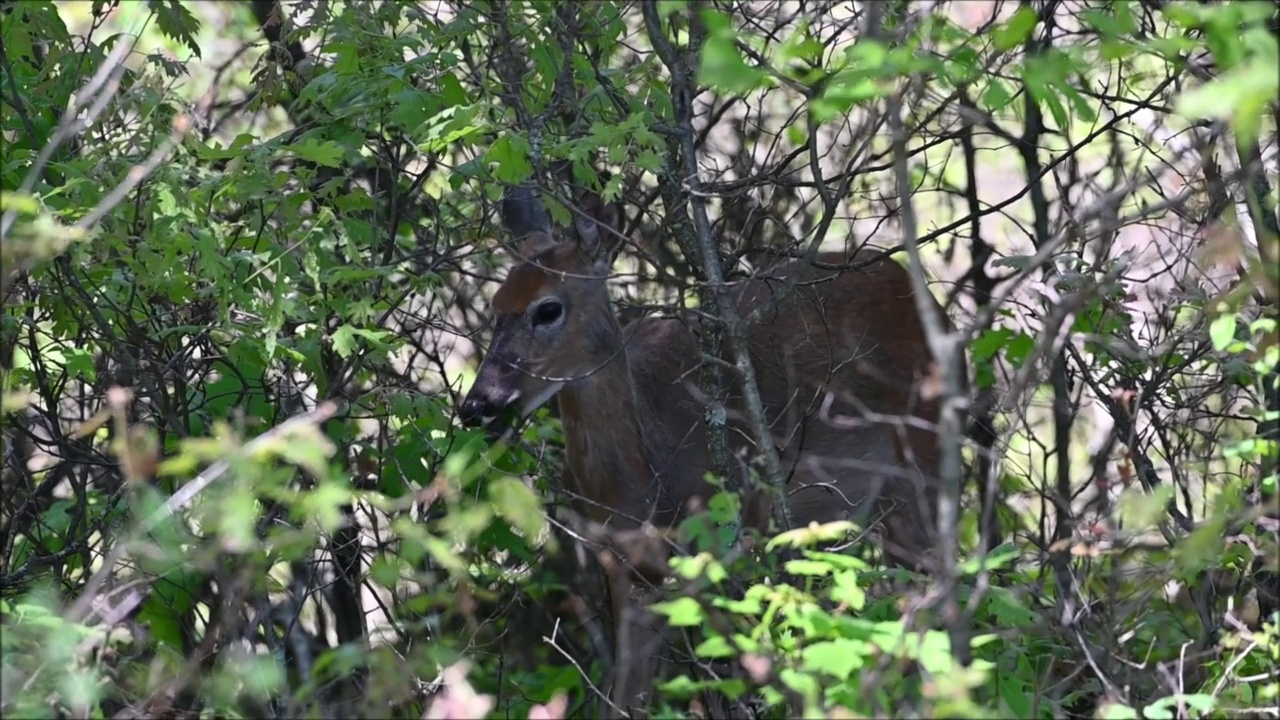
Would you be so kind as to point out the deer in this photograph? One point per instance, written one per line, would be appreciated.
(840, 358)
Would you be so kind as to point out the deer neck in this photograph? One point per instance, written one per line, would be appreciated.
(608, 442)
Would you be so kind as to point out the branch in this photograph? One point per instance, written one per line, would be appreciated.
(682, 96)
(947, 348)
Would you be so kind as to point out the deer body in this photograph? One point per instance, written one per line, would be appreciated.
(635, 436)
(841, 353)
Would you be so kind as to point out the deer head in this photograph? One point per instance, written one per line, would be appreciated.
(552, 322)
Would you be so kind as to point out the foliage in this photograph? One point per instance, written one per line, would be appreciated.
(245, 254)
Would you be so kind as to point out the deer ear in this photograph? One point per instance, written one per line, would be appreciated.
(598, 226)
(525, 217)
(522, 212)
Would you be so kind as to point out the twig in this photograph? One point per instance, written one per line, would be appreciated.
(186, 494)
(585, 678)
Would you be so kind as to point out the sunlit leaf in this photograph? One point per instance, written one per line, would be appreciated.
(1222, 331)
(681, 612)
(838, 658)
(716, 646)
(847, 590)
(516, 502)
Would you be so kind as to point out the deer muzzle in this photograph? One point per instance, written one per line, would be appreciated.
(496, 412)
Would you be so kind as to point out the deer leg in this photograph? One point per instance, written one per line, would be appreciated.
(638, 637)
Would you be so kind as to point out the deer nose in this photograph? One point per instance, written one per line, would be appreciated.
(479, 407)
(472, 409)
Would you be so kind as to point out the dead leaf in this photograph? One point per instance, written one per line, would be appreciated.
(757, 667)
(458, 700)
(931, 385)
(90, 426)
(553, 710)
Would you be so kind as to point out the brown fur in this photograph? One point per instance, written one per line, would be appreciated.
(635, 439)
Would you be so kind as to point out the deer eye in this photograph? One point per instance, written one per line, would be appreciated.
(547, 312)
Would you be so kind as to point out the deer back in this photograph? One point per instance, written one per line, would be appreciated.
(839, 363)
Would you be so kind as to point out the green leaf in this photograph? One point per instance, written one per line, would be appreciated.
(1202, 548)
(411, 109)
(344, 339)
(681, 612)
(19, 203)
(1139, 510)
(838, 658)
(500, 536)
(750, 605)
(721, 65)
(1046, 97)
(1009, 610)
(1115, 21)
(716, 646)
(996, 96)
(807, 567)
(509, 155)
(846, 590)
(169, 601)
(682, 686)
(237, 519)
(1101, 21)
(848, 88)
(1079, 103)
(935, 653)
(867, 55)
(838, 561)
(323, 153)
(805, 685)
(451, 90)
(176, 22)
(691, 568)
(449, 126)
(800, 48)
(385, 570)
(989, 342)
(260, 676)
(1019, 349)
(1240, 96)
(667, 7)
(519, 504)
(998, 557)
(1017, 698)
(79, 364)
(1222, 331)
(323, 505)
(1117, 711)
(1167, 708)
(1016, 31)
(308, 448)
(812, 535)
